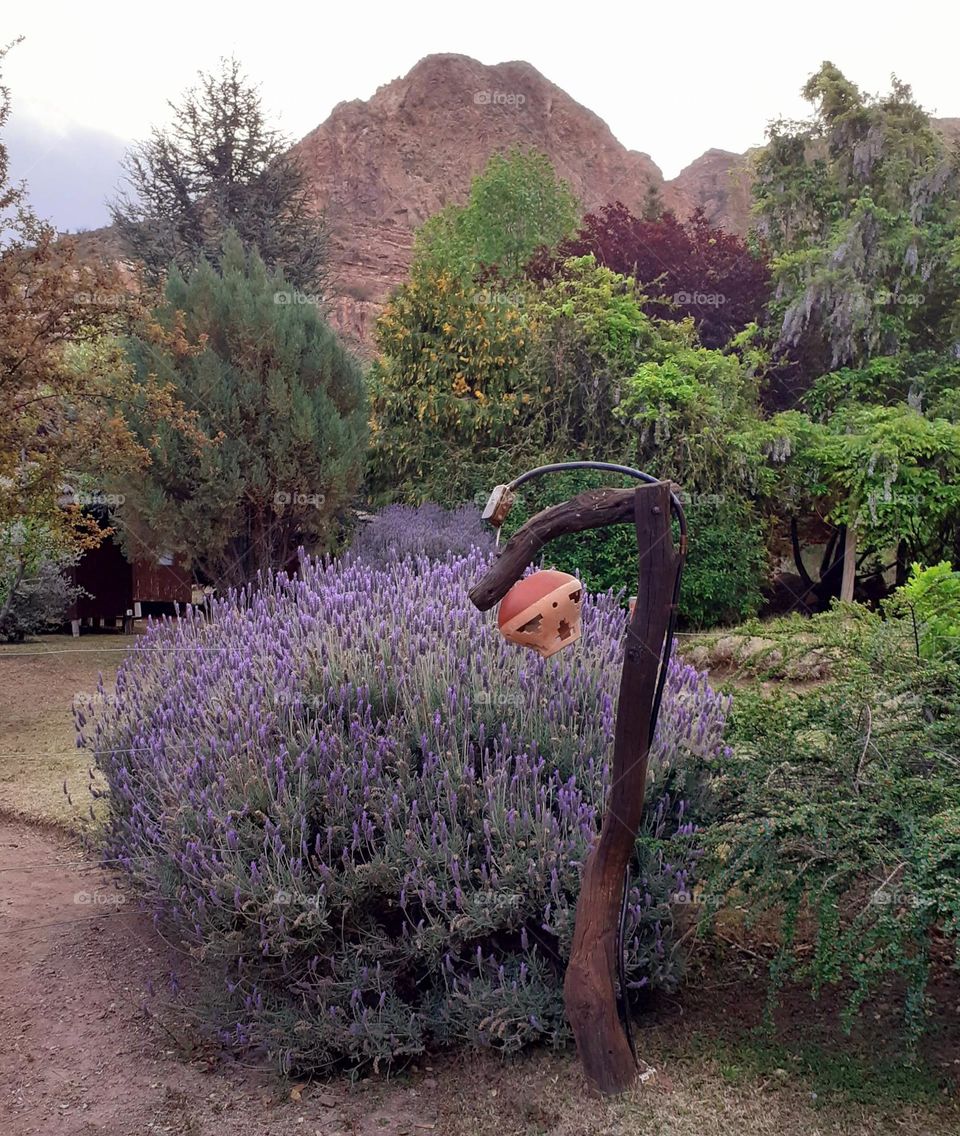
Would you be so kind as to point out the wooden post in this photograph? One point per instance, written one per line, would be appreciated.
(590, 984)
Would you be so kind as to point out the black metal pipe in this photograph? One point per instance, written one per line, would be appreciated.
(604, 467)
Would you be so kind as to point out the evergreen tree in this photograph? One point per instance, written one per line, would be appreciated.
(652, 203)
(219, 165)
(282, 400)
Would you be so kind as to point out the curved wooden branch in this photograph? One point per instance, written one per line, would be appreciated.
(590, 984)
(591, 509)
(589, 987)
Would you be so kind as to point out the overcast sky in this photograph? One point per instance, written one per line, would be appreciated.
(671, 79)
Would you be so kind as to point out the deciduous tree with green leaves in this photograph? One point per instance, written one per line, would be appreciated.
(471, 387)
(516, 205)
(859, 206)
(63, 382)
(447, 389)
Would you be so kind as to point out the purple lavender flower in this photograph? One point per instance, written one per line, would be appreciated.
(367, 814)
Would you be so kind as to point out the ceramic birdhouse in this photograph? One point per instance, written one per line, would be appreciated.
(542, 611)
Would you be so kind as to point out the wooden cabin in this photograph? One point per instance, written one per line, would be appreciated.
(120, 591)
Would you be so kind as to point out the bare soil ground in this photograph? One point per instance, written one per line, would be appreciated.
(82, 1053)
(39, 681)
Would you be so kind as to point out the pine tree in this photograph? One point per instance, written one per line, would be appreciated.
(652, 203)
(219, 165)
(285, 404)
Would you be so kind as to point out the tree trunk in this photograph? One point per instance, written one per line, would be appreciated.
(798, 554)
(849, 564)
(901, 577)
(831, 568)
(590, 984)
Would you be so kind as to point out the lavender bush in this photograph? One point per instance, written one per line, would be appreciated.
(426, 530)
(366, 813)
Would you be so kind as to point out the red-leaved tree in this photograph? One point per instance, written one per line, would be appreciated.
(687, 268)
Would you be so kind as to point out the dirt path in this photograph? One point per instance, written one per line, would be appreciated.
(39, 681)
(80, 1055)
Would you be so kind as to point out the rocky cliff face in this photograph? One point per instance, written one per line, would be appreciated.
(381, 167)
(718, 182)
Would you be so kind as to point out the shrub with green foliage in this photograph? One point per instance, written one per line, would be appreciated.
(839, 810)
(859, 206)
(727, 563)
(34, 601)
(932, 598)
(602, 559)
